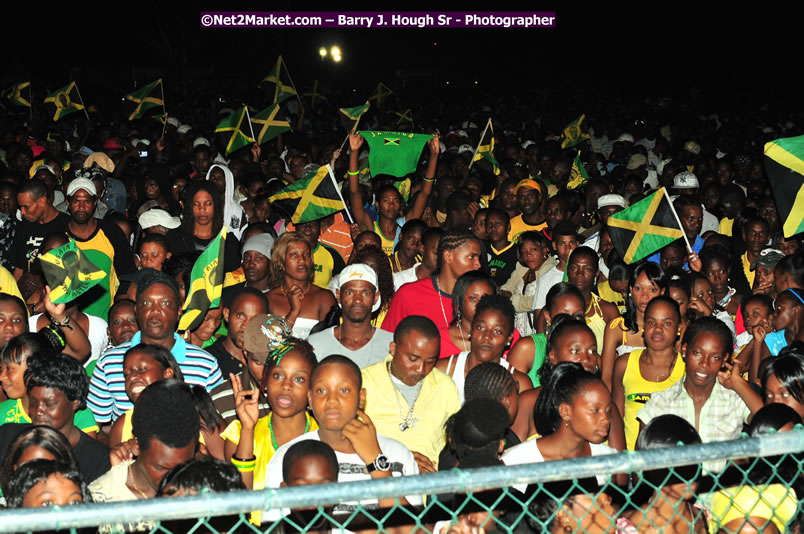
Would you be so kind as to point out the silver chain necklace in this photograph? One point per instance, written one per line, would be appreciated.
(408, 421)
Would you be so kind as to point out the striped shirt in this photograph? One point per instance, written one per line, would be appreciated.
(107, 389)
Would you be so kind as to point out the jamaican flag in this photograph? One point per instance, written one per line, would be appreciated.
(405, 117)
(234, 123)
(316, 97)
(310, 198)
(267, 126)
(642, 229)
(784, 162)
(380, 93)
(206, 284)
(578, 174)
(65, 101)
(572, 134)
(282, 89)
(485, 149)
(69, 273)
(19, 94)
(150, 96)
(353, 114)
(394, 153)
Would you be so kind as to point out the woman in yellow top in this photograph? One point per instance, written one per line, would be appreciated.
(582, 272)
(639, 374)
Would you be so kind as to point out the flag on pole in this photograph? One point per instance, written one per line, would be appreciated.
(316, 97)
(485, 149)
(784, 162)
(578, 174)
(353, 114)
(19, 94)
(282, 90)
(310, 198)
(206, 283)
(234, 123)
(150, 96)
(405, 117)
(69, 273)
(65, 101)
(267, 126)
(642, 229)
(394, 153)
(572, 134)
(380, 93)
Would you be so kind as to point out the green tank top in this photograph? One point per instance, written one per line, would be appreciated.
(540, 346)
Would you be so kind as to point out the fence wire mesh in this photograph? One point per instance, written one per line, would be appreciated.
(667, 490)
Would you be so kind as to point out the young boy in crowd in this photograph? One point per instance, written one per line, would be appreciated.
(310, 462)
(153, 251)
(336, 396)
(502, 253)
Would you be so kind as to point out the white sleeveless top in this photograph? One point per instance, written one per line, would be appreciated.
(458, 375)
(302, 326)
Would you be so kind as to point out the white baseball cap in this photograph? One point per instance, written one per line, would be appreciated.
(359, 271)
(158, 217)
(82, 183)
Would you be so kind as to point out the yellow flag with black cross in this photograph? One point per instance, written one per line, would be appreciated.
(65, 100)
(643, 228)
(784, 162)
(206, 283)
(69, 273)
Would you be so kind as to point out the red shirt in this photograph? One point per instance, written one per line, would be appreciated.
(419, 298)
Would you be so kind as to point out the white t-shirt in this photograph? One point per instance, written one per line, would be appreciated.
(97, 335)
(547, 281)
(351, 468)
(403, 277)
(529, 453)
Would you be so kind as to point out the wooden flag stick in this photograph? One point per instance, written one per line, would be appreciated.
(250, 127)
(279, 75)
(164, 124)
(482, 136)
(82, 101)
(338, 189)
(687, 241)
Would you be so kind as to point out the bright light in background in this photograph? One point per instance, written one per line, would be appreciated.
(322, 52)
(336, 59)
(335, 51)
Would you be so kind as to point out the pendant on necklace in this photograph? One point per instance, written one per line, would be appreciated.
(403, 426)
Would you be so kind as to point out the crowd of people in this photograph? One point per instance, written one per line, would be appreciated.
(469, 314)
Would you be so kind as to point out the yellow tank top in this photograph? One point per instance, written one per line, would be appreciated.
(637, 391)
(596, 323)
(387, 244)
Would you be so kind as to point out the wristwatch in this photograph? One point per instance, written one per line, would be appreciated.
(380, 463)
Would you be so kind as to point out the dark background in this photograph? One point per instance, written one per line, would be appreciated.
(649, 49)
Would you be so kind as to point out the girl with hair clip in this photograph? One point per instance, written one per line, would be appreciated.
(573, 415)
(527, 355)
(251, 440)
(491, 334)
(639, 374)
(624, 334)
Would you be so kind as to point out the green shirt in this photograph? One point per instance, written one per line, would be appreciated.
(11, 411)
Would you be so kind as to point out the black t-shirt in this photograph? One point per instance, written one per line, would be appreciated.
(227, 362)
(502, 264)
(29, 237)
(92, 455)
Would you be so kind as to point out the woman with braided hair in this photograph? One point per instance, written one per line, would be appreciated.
(459, 251)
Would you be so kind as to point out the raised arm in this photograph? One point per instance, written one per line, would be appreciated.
(429, 176)
(361, 217)
(76, 342)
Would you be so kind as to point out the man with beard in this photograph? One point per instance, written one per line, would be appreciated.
(103, 243)
(355, 338)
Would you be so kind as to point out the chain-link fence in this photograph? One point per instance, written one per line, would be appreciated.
(667, 489)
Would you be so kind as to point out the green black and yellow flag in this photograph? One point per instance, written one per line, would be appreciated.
(150, 96)
(642, 229)
(267, 126)
(380, 93)
(316, 97)
(19, 94)
(353, 114)
(282, 89)
(578, 174)
(784, 162)
(573, 134)
(69, 273)
(234, 123)
(405, 117)
(65, 100)
(206, 284)
(310, 198)
(485, 149)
